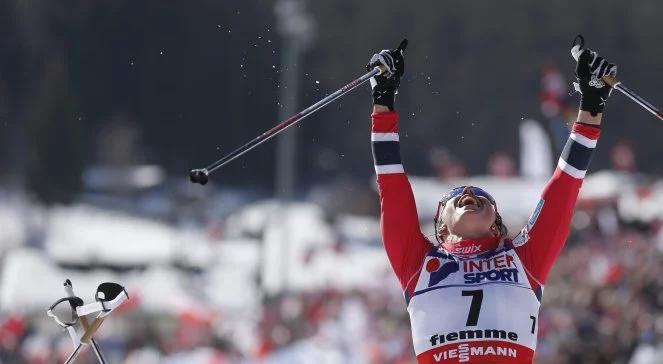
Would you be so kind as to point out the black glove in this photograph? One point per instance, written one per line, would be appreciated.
(590, 68)
(385, 85)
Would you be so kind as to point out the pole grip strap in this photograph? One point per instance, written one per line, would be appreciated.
(104, 308)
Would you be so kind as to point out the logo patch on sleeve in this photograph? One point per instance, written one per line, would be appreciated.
(521, 238)
(535, 214)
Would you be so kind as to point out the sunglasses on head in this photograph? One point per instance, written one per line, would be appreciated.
(459, 190)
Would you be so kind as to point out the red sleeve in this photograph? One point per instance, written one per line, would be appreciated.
(403, 241)
(541, 240)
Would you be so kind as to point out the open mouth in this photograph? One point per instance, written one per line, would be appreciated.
(468, 201)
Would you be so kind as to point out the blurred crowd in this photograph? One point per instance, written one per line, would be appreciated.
(602, 304)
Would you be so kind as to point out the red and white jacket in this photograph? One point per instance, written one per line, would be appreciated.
(478, 308)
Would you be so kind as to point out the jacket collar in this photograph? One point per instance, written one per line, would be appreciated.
(473, 247)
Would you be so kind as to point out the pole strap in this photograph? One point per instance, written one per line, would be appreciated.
(104, 308)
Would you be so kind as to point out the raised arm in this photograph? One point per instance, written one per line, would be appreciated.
(403, 241)
(542, 239)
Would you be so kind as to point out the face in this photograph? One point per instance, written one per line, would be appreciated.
(467, 215)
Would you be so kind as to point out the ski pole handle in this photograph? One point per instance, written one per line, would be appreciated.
(576, 49)
(401, 47)
(610, 80)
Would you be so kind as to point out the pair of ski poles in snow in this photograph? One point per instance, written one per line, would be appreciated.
(201, 176)
(108, 297)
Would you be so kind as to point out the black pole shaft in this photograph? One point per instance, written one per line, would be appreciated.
(74, 354)
(290, 121)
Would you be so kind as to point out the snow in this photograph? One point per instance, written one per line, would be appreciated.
(231, 282)
(298, 247)
(358, 230)
(23, 265)
(13, 218)
(605, 185)
(535, 150)
(86, 235)
(297, 242)
(641, 203)
(158, 289)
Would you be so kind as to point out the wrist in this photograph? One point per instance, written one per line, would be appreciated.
(586, 117)
(377, 109)
(384, 97)
(592, 103)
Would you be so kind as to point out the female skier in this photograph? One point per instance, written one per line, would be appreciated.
(473, 296)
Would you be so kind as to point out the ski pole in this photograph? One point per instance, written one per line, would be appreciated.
(87, 339)
(202, 175)
(616, 84)
(69, 289)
